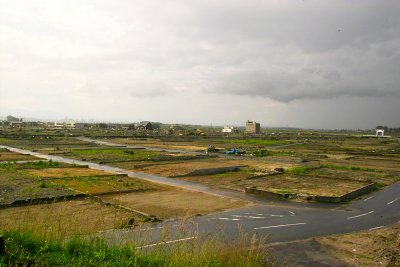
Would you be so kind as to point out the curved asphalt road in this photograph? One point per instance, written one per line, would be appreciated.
(283, 221)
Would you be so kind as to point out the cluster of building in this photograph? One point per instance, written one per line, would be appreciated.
(251, 128)
(14, 122)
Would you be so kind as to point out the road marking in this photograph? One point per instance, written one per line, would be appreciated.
(227, 219)
(275, 215)
(391, 202)
(292, 213)
(248, 217)
(276, 226)
(352, 217)
(167, 242)
(368, 198)
(375, 228)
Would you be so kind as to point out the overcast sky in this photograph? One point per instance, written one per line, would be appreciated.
(313, 64)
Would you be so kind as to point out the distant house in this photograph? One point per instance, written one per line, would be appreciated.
(229, 129)
(145, 125)
(380, 132)
(252, 127)
(16, 124)
(62, 125)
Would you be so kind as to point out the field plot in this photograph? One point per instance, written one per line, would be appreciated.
(14, 186)
(388, 164)
(171, 202)
(45, 143)
(13, 156)
(64, 218)
(96, 185)
(65, 172)
(188, 167)
(110, 155)
(306, 185)
(367, 248)
(184, 145)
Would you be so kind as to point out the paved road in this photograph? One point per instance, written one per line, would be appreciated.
(283, 221)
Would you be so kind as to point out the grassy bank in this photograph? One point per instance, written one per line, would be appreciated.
(27, 249)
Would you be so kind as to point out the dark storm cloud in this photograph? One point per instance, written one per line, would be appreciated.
(304, 49)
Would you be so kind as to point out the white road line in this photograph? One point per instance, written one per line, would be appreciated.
(391, 202)
(368, 198)
(375, 228)
(275, 215)
(167, 242)
(248, 217)
(276, 226)
(292, 213)
(352, 217)
(227, 219)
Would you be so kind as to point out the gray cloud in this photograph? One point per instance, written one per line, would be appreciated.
(61, 53)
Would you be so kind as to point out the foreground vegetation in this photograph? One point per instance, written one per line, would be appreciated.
(28, 249)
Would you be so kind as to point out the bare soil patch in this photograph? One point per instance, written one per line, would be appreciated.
(184, 168)
(172, 202)
(158, 143)
(66, 172)
(13, 156)
(296, 184)
(367, 248)
(104, 184)
(64, 218)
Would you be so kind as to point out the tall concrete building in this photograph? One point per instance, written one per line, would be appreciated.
(252, 127)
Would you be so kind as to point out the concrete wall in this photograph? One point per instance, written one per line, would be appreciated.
(211, 171)
(349, 196)
(265, 193)
(327, 199)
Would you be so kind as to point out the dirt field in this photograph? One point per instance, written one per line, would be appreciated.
(14, 185)
(296, 184)
(157, 143)
(185, 168)
(104, 184)
(379, 163)
(66, 172)
(171, 202)
(367, 248)
(64, 218)
(13, 156)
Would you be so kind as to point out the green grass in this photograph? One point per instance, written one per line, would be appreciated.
(28, 249)
(266, 153)
(39, 165)
(44, 184)
(115, 154)
(349, 168)
(299, 170)
(10, 166)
